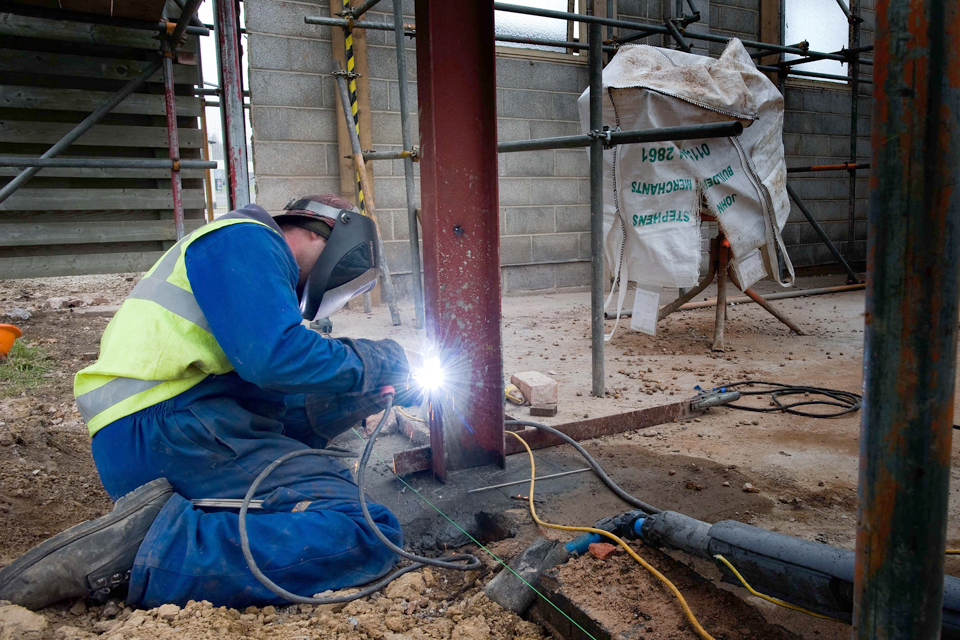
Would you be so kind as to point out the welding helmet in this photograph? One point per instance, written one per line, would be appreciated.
(347, 266)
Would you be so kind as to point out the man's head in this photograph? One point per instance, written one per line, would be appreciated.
(307, 231)
(335, 248)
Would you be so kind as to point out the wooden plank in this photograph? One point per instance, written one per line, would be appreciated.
(81, 32)
(98, 199)
(77, 265)
(42, 63)
(56, 99)
(19, 234)
(138, 9)
(60, 172)
(107, 135)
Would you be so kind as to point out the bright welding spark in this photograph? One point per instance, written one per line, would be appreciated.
(430, 376)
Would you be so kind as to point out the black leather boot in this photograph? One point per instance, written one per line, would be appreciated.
(93, 557)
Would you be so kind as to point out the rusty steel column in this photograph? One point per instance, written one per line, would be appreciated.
(173, 137)
(461, 242)
(227, 26)
(910, 342)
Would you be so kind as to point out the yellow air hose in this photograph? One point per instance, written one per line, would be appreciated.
(676, 592)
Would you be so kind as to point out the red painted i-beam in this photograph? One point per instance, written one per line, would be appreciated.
(461, 242)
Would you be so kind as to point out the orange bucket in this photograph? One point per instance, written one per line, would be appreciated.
(8, 334)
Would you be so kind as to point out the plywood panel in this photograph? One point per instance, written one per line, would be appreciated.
(99, 135)
(26, 199)
(56, 99)
(20, 234)
(43, 63)
(78, 265)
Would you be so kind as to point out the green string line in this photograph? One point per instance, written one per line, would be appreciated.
(477, 542)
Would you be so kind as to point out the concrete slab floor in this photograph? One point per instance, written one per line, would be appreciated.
(806, 469)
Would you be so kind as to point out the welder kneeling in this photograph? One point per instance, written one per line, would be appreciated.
(206, 376)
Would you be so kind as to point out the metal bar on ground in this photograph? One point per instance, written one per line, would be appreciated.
(852, 277)
(595, 68)
(703, 304)
(370, 209)
(760, 300)
(227, 24)
(173, 133)
(414, 460)
(82, 128)
(183, 22)
(911, 315)
(103, 163)
(853, 17)
(408, 177)
(456, 73)
(683, 132)
(527, 480)
(844, 166)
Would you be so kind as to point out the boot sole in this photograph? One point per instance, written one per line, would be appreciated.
(151, 491)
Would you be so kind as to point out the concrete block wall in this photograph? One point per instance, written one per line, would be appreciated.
(544, 213)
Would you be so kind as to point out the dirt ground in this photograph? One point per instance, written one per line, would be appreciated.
(805, 470)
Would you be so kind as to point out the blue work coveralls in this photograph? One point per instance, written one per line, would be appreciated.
(214, 439)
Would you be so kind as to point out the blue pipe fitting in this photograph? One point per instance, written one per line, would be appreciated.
(581, 544)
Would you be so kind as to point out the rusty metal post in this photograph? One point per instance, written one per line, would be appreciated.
(227, 26)
(456, 69)
(910, 341)
(853, 16)
(173, 137)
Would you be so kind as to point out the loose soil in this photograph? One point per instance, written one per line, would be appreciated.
(804, 469)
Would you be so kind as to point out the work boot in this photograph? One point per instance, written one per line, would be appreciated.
(91, 558)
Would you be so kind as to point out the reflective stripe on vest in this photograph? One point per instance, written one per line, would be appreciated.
(121, 395)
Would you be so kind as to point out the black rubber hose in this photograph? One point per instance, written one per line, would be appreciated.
(847, 401)
(623, 495)
(463, 562)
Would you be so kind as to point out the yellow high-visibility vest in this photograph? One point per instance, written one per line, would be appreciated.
(157, 345)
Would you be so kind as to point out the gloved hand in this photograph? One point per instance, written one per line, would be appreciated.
(384, 363)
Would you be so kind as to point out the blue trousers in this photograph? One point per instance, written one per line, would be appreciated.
(309, 537)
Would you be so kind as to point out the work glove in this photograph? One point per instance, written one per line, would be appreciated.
(384, 363)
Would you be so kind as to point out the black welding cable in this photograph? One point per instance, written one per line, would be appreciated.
(847, 401)
(464, 562)
(623, 495)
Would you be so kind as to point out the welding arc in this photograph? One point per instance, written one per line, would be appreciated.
(847, 401)
(623, 495)
(463, 562)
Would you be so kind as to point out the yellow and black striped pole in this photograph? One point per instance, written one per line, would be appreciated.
(352, 85)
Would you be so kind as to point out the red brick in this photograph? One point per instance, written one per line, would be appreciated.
(603, 550)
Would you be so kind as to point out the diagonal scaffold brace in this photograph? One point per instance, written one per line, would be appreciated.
(369, 208)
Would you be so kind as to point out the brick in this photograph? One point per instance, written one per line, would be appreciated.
(283, 18)
(380, 95)
(398, 255)
(382, 62)
(527, 163)
(539, 105)
(826, 101)
(574, 162)
(796, 122)
(289, 54)
(553, 129)
(386, 127)
(515, 191)
(739, 20)
(534, 75)
(274, 192)
(603, 550)
(573, 274)
(536, 387)
(532, 278)
(274, 88)
(543, 410)
(573, 218)
(394, 104)
(290, 158)
(527, 220)
(515, 250)
(814, 145)
(288, 124)
(556, 246)
(510, 129)
(390, 192)
(555, 191)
